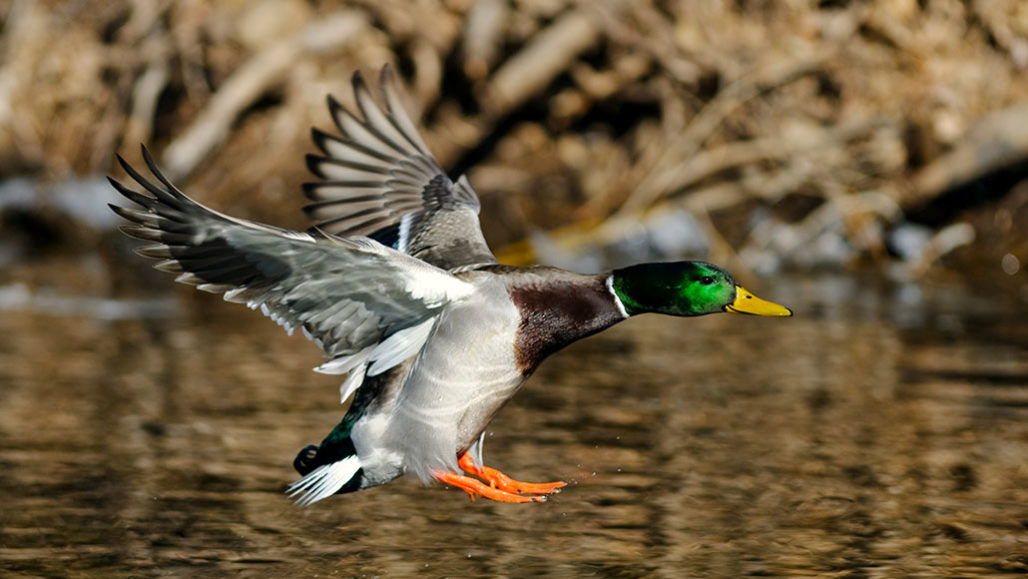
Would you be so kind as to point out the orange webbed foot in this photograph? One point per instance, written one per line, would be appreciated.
(500, 488)
(498, 480)
(476, 488)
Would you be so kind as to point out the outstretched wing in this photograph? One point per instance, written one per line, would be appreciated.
(368, 306)
(379, 180)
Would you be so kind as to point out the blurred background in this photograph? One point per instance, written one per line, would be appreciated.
(864, 162)
(767, 135)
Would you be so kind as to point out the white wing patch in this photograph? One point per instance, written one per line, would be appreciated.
(382, 357)
(324, 481)
(344, 364)
(400, 346)
(353, 381)
(435, 290)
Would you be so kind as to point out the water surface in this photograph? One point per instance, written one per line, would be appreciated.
(883, 432)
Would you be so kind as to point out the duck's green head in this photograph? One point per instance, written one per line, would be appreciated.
(686, 288)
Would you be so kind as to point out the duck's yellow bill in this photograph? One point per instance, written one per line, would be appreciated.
(747, 303)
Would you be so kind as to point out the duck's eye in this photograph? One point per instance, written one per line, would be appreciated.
(706, 280)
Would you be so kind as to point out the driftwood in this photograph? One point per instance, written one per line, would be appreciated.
(255, 77)
(997, 142)
(545, 56)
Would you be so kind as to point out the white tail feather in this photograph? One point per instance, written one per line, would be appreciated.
(324, 481)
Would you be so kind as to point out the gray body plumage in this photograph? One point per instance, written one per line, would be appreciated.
(463, 375)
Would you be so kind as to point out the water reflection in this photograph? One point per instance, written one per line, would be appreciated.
(881, 432)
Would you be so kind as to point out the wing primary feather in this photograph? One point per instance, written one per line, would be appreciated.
(378, 151)
(321, 138)
(171, 189)
(360, 134)
(397, 114)
(316, 162)
(341, 225)
(158, 193)
(376, 122)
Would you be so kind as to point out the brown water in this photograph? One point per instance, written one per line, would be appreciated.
(883, 432)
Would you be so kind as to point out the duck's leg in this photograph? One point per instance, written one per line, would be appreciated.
(500, 481)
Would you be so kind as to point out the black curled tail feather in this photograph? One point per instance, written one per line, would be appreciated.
(304, 461)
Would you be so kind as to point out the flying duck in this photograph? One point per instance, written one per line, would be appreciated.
(396, 284)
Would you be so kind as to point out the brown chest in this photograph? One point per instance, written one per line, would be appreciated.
(555, 314)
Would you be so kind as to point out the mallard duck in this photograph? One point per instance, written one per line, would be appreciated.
(396, 284)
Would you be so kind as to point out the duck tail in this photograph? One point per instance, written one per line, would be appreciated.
(341, 474)
(326, 480)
